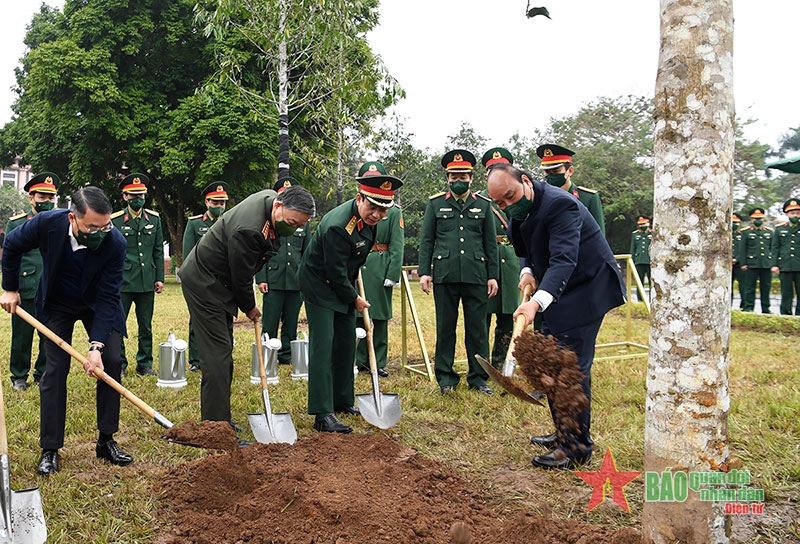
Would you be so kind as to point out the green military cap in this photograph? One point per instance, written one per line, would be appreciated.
(371, 168)
(496, 155)
(553, 155)
(134, 183)
(217, 190)
(458, 160)
(284, 182)
(643, 220)
(379, 189)
(736, 218)
(757, 213)
(791, 204)
(46, 182)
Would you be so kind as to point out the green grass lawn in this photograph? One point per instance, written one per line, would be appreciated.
(486, 439)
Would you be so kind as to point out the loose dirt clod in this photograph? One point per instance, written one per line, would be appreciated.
(459, 532)
(211, 435)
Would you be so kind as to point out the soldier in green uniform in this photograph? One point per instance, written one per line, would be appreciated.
(144, 265)
(507, 300)
(640, 250)
(278, 282)
(736, 242)
(328, 274)
(380, 274)
(756, 261)
(42, 192)
(558, 170)
(217, 282)
(786, 256)
(216, 198)
(458, 254)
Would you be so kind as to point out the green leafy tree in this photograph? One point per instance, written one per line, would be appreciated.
(12, 202)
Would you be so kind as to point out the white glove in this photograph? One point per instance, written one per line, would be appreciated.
(389, 283)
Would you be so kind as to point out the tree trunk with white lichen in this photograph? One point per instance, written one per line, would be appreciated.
(687, 379)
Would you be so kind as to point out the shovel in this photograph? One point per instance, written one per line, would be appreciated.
(23, 518)
(379, 409)
(269, 427)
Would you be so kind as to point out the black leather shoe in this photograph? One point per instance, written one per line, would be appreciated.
(329, 424)
(446, 389)
(352, 410)
(235, 427)
(20, 384)
(48, 463)
(485, 389)
(113, 453)
(557, 459)
(194, 368)
(545, 440)
(383, 373)
(363, 370)
(243, 443)
(146, 372)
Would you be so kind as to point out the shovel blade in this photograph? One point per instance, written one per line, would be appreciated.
(509, 383)
(383, 416)
(27, 517)
(281, 430)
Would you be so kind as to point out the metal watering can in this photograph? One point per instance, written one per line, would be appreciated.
(360, 335)
(270, 347)
(300, 357)
(172, 363)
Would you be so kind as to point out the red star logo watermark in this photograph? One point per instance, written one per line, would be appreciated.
(608, 478)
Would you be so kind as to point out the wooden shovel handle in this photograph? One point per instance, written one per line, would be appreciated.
(373, 363)
(3, 433)
(262, 371)
(519, 323)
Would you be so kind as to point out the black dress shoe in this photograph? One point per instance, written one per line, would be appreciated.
(545, 440)
(329, 424)
(352, 410)
(485, 389)
(113, 453)
(20, 384)
(363, 370)
(446, 389)
(48, 463)
(243, 443)
(557, 459)
(383, 373)
(235, 427)
(146, 372)
(194, 368)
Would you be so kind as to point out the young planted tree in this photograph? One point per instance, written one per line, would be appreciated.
(686, 421)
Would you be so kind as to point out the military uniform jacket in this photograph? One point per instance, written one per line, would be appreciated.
(570, 257)
(786, 248)
(458, 242)
(281, 271)
(508, 298)
(196, 227)
(640, 245)
(591, 199)
(144, 257)
(30, 270)
(384, 263)
(755, 249)
(736, 242)
(337, 250)
(222, 264)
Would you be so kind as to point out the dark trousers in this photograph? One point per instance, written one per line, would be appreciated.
(577, 443)
(473, 298)
(281, 308)
(643, 271)
(790, 289)
(503, 329)
(21, 344)
(380, 341)
(194, 357)
(762, 276)
(331, 351)
(144, 325)
(214, 328)
(53, 385)
(737, 275)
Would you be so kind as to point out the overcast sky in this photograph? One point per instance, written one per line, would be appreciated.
(485, 63)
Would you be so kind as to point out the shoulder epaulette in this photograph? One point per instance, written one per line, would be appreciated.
(634, 232)
(782, 224)
(586, 189)
(117, 214)
(351, 225)
(767, 228)
(198, 216)
(396, 205)
(437, 195)
(486, 198)
(18, 216)
(151, 212)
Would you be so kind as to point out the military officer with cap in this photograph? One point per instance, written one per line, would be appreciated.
(216, 198)
(328, 274)
(640, 249)
(736, 243)
(786, 256)
(279, 284)
(458, 254)
(144, 265)
(506, 301)
(756, 261)
(42, 191)
(380, 274)
(558, 170)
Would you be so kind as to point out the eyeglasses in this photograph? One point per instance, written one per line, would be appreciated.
(92, 229)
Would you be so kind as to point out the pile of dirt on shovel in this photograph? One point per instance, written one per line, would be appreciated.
(345, 489)
(212, 435)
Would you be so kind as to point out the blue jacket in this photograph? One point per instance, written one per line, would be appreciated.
(570, 257)
(101, 278)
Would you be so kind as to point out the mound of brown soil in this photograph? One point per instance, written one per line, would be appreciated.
(342, 489)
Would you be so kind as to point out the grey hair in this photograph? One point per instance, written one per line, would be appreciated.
(90, 198)
(299, 199)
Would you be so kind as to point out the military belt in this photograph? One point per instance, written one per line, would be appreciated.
(380, 247)
(503, 240)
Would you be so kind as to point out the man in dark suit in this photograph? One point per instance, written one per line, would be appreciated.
(217, 281)
(578, 283)
(83, 257)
